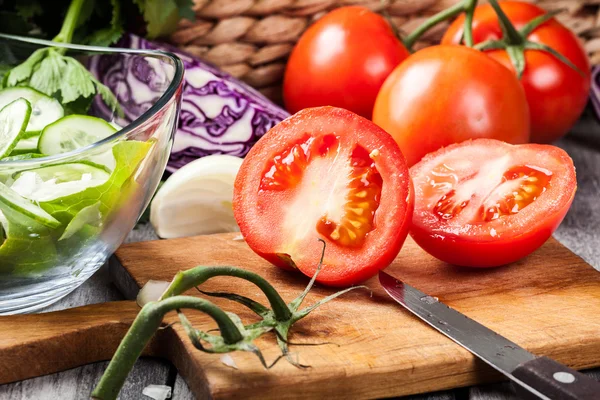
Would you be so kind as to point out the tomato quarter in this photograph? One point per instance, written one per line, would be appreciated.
(342, 61)
(556, 93)
(446, 94)
(325, 173)
(485, 203)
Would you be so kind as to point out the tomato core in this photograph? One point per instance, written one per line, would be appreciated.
(364, 183)
(362, 202)
(518, 187)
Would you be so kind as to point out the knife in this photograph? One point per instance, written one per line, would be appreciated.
(540, 376)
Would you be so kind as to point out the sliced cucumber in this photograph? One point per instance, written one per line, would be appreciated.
(69, 172)
(28, 145)
(24, 156)
(56, 181)
(89, 215)
(13, 121)
(13, 200)
(72, 132)
(44, 109)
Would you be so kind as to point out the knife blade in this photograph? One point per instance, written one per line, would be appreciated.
(540, 376)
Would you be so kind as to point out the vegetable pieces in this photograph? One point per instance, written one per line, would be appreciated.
(49, 71)
(219, 114)
(99, 23)
(234, 334)
(13, 121)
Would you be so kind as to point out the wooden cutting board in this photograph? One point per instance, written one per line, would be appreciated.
(548, 303)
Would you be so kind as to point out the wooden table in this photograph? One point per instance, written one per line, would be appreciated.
(580, 232)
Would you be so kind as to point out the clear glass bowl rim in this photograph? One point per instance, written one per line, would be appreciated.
(160, 103)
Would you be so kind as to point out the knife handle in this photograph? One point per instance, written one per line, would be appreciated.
(557, 381)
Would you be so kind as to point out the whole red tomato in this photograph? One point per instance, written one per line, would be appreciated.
(342, 60)
(447, 94)
(556, 93)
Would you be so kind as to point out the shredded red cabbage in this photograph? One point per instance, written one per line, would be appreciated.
(219, 114)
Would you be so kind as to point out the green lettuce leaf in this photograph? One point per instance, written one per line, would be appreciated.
(128, 156)
(28, 246)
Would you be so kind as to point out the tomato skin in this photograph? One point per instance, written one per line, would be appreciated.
(261, 220)
(481, 254)
(556, 93)
(447, 94)
(522, 237)
(342, 61)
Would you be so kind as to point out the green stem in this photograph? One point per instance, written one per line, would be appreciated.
(70, 23)
(448, 13)
(511, 35)
(185, 280)
(468, 28)
(142, 330)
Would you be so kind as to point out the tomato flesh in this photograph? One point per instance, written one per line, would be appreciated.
(325, 173)
(485, 203)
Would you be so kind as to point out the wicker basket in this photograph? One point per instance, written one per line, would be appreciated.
(251, 39)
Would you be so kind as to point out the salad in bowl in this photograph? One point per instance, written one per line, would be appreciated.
(73, 181)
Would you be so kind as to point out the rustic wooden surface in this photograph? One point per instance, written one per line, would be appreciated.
(536, 302)
(580, 232)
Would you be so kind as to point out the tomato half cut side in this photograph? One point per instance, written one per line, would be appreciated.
(325, 173)
(486, 203)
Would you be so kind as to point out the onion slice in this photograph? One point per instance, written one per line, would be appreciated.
(152, 291)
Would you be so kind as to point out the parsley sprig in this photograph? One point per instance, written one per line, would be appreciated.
(55, 73)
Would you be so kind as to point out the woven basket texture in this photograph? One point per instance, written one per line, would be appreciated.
(252, 39)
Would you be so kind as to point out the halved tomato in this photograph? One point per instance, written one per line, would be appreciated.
(486, 203)
(325, 173)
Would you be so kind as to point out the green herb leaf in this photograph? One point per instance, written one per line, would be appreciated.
(162, 16)
(109, 35)
(54, 74)
(24, 70)
(29, 8)
(86, 12)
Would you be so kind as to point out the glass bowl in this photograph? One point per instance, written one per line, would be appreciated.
(65, 233)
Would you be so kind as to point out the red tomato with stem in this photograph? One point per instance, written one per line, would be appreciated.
(447, 94)
(486, 203)
(342, 61)
(325, 173)
(556, 93)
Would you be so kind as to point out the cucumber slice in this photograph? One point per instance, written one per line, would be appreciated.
(13, 121)
(56, 181)
(44, 109)
(13, 200)
(72, 132)
(28, 145)
(24, 156)
(69, 172)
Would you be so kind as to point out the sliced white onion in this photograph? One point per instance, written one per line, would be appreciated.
(197, 199)
(157, 392)
(152, 291)
(229, 361)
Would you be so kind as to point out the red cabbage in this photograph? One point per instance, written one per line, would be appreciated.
(595, 90)
(219, 114)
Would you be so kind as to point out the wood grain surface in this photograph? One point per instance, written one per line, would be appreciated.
(378, 349)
